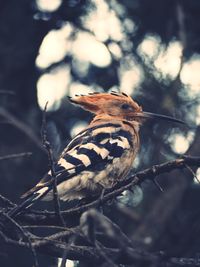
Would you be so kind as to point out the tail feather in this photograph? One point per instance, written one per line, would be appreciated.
(30, 192)
(31, 197)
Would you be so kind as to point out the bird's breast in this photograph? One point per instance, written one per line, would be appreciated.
(115, 170)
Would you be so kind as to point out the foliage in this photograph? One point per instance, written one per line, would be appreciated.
(167, 221)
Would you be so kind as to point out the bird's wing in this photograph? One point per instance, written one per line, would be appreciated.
(95, 146)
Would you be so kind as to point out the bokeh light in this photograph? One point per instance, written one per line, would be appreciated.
(190, 75)
(56, 84)
(181, 143)
(48, 5)
(54, 46)
(88, 48)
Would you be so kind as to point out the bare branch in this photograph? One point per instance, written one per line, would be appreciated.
(46, 217)
(21, 126)
(6, 92)
(91, 254)
(51, 166)
(25, 234)
(61, 244)
(14, 156)
(56, 199)
(7, 202)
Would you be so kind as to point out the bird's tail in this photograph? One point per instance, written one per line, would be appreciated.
(30, 199)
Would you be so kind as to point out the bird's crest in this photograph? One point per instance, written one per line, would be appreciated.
(102, 102)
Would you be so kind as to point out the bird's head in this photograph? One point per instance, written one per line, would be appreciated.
(116, 105)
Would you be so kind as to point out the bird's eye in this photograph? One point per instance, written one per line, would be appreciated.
(125, 106)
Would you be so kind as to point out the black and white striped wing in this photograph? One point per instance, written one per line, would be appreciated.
(92, 150)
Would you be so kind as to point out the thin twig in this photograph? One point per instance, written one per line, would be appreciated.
(54, 227)
(102, 251)
(192, 172)
(28, 131)
(5, 92)
(93, 220)
(14, 156)
(181, 24)
(41, 241)
(47, 145)
(51, 166)
(7, 202)
(65, 252)
(109, 228)
(25, 234)
(158, 185)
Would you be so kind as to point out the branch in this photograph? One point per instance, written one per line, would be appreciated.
(95, 251)
(21, 126)
(47, 146)
(7, 202)
(6, 92)
(14, 156)
(85, 253)
(56, 199)
(46, 218)
(23, 233)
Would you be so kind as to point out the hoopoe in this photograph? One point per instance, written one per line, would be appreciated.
(99, 155)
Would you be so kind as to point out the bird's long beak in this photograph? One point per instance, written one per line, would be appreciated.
(154, 116)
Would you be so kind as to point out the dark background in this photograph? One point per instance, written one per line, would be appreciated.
(169, 221)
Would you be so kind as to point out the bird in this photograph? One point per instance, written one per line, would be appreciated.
(100, 155)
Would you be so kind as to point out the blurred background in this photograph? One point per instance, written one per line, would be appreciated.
(51, 49)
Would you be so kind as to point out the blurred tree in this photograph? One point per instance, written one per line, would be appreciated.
(145, 33)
